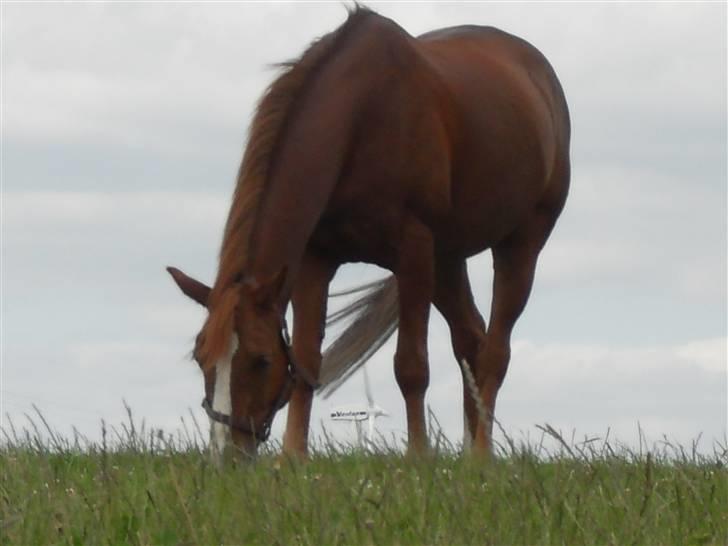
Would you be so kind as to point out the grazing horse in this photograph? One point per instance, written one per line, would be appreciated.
(409, 153)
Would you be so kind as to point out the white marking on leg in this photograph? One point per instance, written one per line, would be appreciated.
(220, 435)
(467, 438)
(472, 387)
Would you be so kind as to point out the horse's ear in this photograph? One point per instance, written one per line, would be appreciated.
(192, 288)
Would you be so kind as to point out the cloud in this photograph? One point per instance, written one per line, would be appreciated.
(81, 383)
(70, 209)
(192, 70)
(678, 391)
(177, 83)
(622, 224)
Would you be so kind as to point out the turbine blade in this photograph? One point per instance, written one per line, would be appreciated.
(368, 388)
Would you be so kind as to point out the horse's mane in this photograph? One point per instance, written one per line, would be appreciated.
(266, 130)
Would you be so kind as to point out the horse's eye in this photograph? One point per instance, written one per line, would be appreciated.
(261, 362)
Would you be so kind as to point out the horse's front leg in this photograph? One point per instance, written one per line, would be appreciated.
(415, 282)
(309, 299)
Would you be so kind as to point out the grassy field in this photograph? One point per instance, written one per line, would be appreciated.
(142, 488)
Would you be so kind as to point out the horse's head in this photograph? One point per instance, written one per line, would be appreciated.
(244, 353)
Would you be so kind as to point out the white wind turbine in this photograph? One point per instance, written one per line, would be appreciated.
(357, 414)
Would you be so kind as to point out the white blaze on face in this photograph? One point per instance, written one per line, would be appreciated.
(220, 435)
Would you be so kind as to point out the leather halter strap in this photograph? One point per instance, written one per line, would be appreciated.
(293, 367)
(293, 372)
(260, 435)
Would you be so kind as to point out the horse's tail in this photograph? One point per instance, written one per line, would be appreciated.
(373, 317)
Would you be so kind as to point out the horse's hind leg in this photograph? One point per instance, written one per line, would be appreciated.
(309, 299)
(454, 299)
(514, 264)
(415, 283)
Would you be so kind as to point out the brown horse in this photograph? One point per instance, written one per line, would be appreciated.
(409, 153)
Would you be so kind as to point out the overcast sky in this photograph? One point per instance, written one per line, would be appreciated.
(122, 130)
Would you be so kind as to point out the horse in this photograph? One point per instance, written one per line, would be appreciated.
(411, 153)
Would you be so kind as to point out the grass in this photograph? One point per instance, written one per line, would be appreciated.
(141, 487)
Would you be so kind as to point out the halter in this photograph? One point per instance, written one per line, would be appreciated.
(293, 371)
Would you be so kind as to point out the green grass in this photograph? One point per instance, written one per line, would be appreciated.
(143, 488)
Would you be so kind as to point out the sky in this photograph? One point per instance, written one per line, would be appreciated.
(123, 125)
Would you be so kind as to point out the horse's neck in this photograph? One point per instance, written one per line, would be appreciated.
(305, 171)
